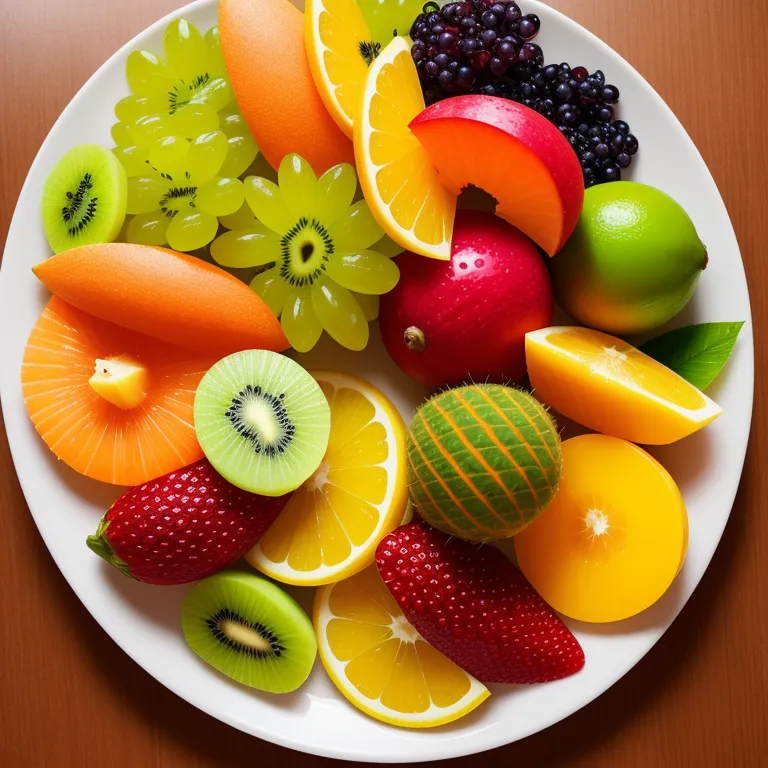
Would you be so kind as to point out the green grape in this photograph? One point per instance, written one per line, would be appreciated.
(340, 314)
(242, 218)
(148, 229)
(215, 57)
(297, 183)
(147, 74)
(169, 157)
(267, 204)
(144, 194)
(246, 247)
(388, 18)
(272, 288)
(150, 128)
(356, 230)
(133, 159)
(121, 134)
(220, 196)
(189, 231)
(388, 247)
(299, 321)
(206, 156)
(193, 119)
(131, 108)
(185, 50)
(369, 304)
(335, 190)
(364, 272)
(242, 146)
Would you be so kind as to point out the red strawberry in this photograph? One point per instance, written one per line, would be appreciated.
(472, 604)
(182, 526)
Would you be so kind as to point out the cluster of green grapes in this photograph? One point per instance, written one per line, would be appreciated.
(182, 141)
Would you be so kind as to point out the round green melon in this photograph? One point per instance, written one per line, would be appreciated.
(483, 461)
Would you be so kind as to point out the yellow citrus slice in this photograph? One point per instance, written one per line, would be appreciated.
(397, 177)
(381, 663)
(337, 38)
(331, 526)
(609, 386)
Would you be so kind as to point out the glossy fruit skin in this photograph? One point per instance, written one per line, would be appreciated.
(483, 461)
(473, 311)
(183, 526)
(473, 605)
(633, 262)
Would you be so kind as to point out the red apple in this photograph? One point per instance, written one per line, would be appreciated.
(514, 154)
(449, 322)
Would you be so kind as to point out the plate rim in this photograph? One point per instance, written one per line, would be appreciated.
(465, 746)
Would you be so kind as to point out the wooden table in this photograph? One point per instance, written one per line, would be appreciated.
(70, 697)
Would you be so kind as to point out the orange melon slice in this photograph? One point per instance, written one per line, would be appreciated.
(171, 296)
(86, 431)
(266, 59)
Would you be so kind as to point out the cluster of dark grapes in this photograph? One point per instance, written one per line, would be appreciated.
(484, 47)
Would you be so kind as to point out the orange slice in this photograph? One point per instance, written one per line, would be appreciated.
(609, 386)
(381, 664)
(125, 446)
(396, 173)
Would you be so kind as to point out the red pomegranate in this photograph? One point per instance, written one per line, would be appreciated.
(451, 322)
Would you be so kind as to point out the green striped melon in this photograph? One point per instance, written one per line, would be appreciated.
(483, 461)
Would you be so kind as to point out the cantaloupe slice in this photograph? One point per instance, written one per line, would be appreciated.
(125, 446)
(171, 296)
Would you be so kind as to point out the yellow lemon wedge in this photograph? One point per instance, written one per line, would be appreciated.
(333, 522)
(396, 174)
(339, 52)
(380, 662)
(611, 387)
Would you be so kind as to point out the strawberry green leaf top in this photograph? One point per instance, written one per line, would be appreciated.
(696, 352)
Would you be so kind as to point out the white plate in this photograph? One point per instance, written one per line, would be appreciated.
(144, 620)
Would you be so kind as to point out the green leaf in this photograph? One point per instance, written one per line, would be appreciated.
(696, 352)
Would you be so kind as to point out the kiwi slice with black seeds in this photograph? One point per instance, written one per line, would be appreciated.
(262, 421)
(250, 630)
(84, 198)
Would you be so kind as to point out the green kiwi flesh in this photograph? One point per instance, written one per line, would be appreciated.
(262, 421)
(84, 198)
(250, 630)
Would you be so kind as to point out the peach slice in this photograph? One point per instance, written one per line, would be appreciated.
(514, 154)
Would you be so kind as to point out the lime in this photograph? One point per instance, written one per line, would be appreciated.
(633, 261)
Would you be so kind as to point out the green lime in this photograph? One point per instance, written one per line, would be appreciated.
(633, 261)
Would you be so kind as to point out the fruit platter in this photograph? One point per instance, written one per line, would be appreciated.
(378, 373)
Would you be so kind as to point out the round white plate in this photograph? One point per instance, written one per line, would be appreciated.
(144, 620)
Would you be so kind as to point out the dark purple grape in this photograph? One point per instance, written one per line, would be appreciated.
(604, 114)
(630, 144)
(498, 67)
(445, 78)
(623, 160)
(432, 69)
(488, 36)
(529, 26)
(489, 19)
(465, 77)
(612, 172)
(580, 73)
(602, 150)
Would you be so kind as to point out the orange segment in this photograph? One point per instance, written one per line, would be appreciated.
(609, 386)
(381, 663)
(396, 174)
(535, 204)
(334, 30)
(333, 523)
(86, 431)
(614, 537)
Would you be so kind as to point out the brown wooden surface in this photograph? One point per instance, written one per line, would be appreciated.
(70, 697)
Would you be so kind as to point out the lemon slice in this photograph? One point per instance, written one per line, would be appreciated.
(381, 663)
(338, 51)
(331, 526)
(398, 179)
(609, 386)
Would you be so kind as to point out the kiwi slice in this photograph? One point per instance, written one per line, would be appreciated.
(262, 421)
(250, 630)
(84, 198)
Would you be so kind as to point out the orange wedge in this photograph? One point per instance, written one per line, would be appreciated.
(380, 662)
(609, 386)
(125, 446)
(396, 174)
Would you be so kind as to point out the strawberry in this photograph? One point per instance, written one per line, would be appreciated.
(472, 604)
(182, 526)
